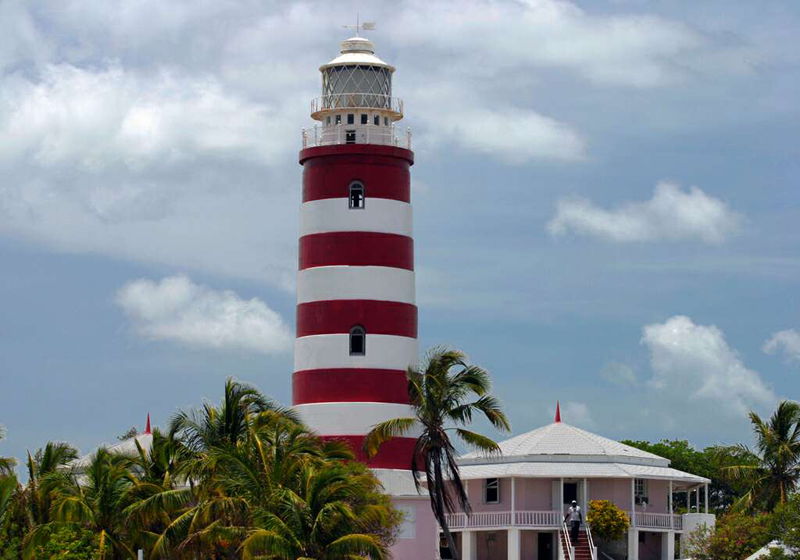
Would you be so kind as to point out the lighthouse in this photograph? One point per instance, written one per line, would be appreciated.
(356, 295)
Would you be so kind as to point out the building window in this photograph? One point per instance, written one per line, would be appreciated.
(328, 119)
(640, 491)
(357, 198)
(351, 118)
(408, 530)
(491, 491)
(358, 341)
(349, 136)
(377, 120)
(338, 119)
(364, 118)
(386, 121)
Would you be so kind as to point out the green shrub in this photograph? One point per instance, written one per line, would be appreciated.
(608, 522)
(735, 537)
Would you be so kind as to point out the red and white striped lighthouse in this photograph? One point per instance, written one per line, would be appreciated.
(356, 308)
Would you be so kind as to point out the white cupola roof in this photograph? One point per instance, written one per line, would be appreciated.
(357, 50)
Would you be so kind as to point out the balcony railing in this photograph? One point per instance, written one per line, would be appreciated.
(367, 101)
(333, 135)
(549, 519)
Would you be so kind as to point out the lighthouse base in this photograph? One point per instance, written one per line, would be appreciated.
(419, 535)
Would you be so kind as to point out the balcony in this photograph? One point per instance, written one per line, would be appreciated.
(550, 520)
(334, 135)
(365, 101)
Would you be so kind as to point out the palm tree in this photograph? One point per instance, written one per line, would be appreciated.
(440, 394)
(41, 468)
(93, 499)
(773, 470)
(325, 517)
(213, 426)
(7, 464)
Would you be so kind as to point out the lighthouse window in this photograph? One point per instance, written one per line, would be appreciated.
(351, 118)
(377, 120)
(364, 118)
(356, 195)
(358, 341)
(327, 120)
(385, 121)
(338, 119)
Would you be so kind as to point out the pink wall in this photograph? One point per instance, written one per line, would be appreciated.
(492, 545)
(424, 545)
(475, 493)
(617, 490)
(534, 494)
(650, 549)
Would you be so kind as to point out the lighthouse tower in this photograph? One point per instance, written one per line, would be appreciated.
(356, 306)
(356, 311)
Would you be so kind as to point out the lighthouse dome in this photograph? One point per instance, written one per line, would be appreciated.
(357, 50)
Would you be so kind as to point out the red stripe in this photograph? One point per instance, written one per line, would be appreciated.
(394, 454)
(328, 174)
(349, 385)
(356, 248)
(339, 316)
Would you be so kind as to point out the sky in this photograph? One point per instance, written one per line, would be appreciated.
(605, 194)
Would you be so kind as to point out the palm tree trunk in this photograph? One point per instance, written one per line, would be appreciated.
(439, 493)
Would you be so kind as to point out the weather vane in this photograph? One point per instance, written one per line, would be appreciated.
(366, 26)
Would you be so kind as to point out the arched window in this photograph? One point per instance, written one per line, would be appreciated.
(356, 195)
(358, 341)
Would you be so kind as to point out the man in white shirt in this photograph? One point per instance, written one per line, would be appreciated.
(575, 518)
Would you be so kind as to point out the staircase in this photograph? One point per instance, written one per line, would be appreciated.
(582, 549)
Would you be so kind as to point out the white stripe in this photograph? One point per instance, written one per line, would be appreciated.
(356, 282)
(334, 214)
(332, 351)
(351, 418)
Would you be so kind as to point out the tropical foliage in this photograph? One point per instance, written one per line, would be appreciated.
(242, 479)
(6, 463)
(772, 470)
(608, 522)
(735, 537)
(445, 393)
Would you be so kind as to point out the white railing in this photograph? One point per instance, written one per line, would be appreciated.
(566, 539)
(592, 547)
(356, 101)
(657, 520)
(493, 519)
(537, 519)
(337, 134)
(677, 522)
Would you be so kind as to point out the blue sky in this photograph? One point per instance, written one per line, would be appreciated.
(605, 196)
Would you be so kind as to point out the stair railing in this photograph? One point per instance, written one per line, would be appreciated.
(592, 549)
(567, 540)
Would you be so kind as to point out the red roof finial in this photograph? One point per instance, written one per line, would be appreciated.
(147, 428)
(558, 413)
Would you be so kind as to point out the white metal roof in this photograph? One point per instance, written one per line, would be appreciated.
(126, 447)
(399, 483)
(575, 470)
(357, 50)
(561, 442)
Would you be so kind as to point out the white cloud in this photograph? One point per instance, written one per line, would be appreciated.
(577, 414)
(787, 342)
(671, 215)
(97, 118)
(177, 309)
(619, 374)
(694, 362)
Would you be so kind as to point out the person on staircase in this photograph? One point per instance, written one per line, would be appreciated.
(575, 518)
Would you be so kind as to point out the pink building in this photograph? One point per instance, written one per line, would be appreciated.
(519, 499)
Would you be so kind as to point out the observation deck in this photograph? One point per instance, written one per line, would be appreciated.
(387, 105)
(333, 135)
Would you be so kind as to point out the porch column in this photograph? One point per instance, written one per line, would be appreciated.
(469, 545)
(633, 544)
(706, 487)
(514, 544)
(561, 499)
(585, 496)
(668, 545)
(688, 501)
(671, 512)
(513, 501)
(633, 504)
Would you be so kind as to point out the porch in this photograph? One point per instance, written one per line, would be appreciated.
(552, 520)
